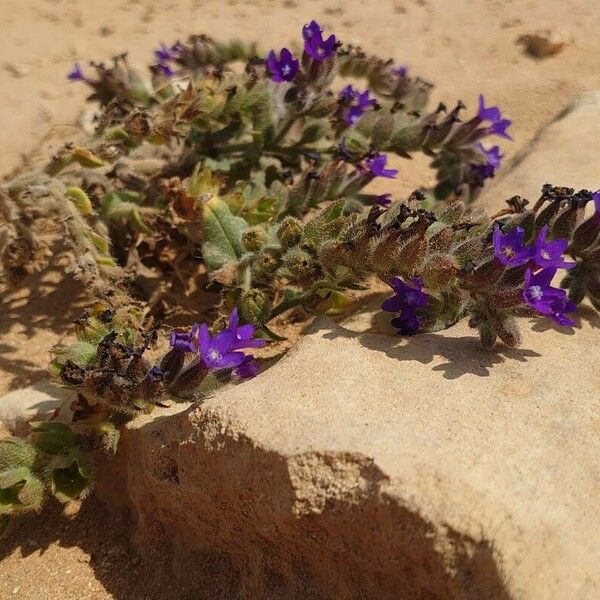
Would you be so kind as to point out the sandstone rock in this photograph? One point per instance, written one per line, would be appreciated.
(365, 466)
(563, 153)
(37, 402)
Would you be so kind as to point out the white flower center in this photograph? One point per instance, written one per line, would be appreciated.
(214, 355)
(508, 251)
(286, 69)
(545, 255)
(536, 292)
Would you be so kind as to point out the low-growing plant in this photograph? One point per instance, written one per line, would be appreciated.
(251, 175)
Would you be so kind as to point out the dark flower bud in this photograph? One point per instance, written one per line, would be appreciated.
(484, 276)
(171, 364)
(507, 297)
(487, 336)
(383, 129)
(411, 254)
(547, 215)
(190, 378)
(72, 374)
(254, 238)
(322, 107)
(153, 385)
(290, 232)
(138, 367)
(508, 331)
(442, 240)
(577, 289)
(439, 271)
(566, 222)
(586, 234)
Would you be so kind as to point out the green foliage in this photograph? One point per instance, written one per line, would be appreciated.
(70, 475)
(222, 234)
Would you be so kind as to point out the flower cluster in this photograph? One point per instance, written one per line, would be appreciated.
(406, 301)
(314, 45)
(542, 259)
(221, 351)
(498, 124)
(285, 68)
(165, 56)
(355, 103)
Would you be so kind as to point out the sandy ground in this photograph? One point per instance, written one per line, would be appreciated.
(464, 47)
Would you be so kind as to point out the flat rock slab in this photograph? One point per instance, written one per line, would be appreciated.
(564, 153)
(366, 466)
(38, 402)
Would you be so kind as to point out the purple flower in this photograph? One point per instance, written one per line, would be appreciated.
(405, 301)
(284, 69)
(243, 336)
(165, 69)
(401, 71)
(314, 45)
(509, 247)
(407, 324)
(357, 103)
(383, 200)
(596, 198)
(492, 161)
(377, 167)
(216, 352)
(406, 295)
(163, 53)
(247, 369)
(492, 113)
(549, 254)
(185, 342)
(155, 375)
(76, 74)
(546, 300)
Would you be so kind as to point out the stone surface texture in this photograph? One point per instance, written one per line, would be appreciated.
(562, 153)
(361, 466)
(366, 466)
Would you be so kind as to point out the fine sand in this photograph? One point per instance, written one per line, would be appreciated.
(464, 47)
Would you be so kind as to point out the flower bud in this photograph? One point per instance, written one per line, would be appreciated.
(171, 364)
(254, 238)
(255, 307)
(290, 232)
(586, 234)
(299, 263)
(487, 336)
(190, 378)
(508, 331)
(439, 271)
(484, 276)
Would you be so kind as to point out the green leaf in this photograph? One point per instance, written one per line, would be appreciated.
(114, 208)
(222, 234)
(71, 476)
(20, 490)
(52, 437)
